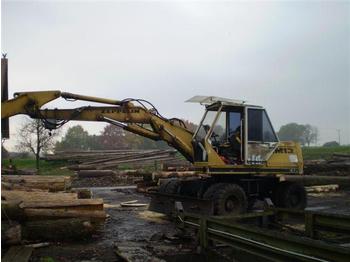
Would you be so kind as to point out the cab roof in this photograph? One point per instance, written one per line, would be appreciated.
(211, 100)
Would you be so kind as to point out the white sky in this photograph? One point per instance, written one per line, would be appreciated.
(291, 57)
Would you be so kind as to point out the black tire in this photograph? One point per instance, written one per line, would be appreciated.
(290, 195)
(172, 187)
(162, 187)
(169, 187)
(229, 199)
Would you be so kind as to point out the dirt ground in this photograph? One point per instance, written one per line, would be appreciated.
(147, 236)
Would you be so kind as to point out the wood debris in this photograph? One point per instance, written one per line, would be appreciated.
(132, 203)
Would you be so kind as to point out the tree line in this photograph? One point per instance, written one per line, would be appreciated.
(111, 138)
(34, 138)
(303, 134)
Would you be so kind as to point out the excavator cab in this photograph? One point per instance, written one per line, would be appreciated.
(233, 133)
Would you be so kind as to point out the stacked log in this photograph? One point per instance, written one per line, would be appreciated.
(31, 211)
(342, 181)
(52, 208)
(51, 183)
(339, 164)
(107, 159)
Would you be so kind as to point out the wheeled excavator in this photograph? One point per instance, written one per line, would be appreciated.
(235, 151)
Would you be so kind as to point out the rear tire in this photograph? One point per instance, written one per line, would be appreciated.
(228, 199)
(290, 195)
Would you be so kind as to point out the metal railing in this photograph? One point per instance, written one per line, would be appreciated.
(252, 234)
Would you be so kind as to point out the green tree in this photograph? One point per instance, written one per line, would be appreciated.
(304, 134)
(113, 137)
(310, 134)
(76, 138)
(292, 132)
(33, 137)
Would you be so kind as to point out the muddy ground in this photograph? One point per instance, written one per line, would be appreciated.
(147, 236)
(135, 232)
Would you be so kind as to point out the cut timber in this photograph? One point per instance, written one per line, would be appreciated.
(164, 174)
(36, 196)
(16, 186)
(12, 210)
(75, 204)
(95, 173)
(323, 188)
(38, 213)
(18, 254)
(25, 172)
(52, 183)
(83, 193)
(38, 245)
(306, 180)
(60, 229)
(10, 233)
(128, 204)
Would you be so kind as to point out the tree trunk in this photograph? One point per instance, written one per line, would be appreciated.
(37, 161)
(37, 154)
(36, 196)
(76, 204)
(60, 229)
(52, 183)
(43, 213)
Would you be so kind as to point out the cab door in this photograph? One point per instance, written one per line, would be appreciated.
(261, 138)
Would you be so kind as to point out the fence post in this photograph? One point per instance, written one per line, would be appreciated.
(309, 225)
(203, 237)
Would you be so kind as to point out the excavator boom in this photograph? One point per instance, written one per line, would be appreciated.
(140, 120)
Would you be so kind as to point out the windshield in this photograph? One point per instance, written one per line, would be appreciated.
(205, 125)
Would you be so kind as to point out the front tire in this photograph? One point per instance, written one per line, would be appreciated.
(290, 195)
(169, 187)
(228, 199)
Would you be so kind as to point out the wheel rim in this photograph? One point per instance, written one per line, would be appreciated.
(294, 199)
(231, 204)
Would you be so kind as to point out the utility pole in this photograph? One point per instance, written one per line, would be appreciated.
(338, 130)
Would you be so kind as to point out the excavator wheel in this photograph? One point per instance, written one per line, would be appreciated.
(229, 199)
(290, 195)
(169, 187)
(173, 186)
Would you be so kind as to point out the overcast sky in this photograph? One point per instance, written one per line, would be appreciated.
(293, 58)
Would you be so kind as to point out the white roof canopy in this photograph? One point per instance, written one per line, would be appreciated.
(208, 100)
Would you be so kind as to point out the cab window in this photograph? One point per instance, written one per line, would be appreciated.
(259, 126)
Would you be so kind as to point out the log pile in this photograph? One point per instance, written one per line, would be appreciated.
(50, 183)
(341, 181)
(44, 208)
(107, 178)
(107, 159)
(339, 164)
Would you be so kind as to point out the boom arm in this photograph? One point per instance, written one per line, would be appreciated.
(122, 113)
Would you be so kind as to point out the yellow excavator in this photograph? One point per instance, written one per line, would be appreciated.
(236, 153)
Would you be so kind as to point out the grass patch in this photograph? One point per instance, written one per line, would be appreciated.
(310, 153)
(46, 167)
